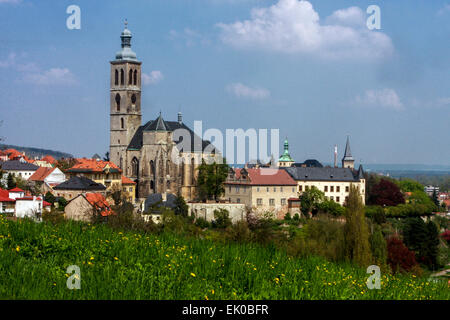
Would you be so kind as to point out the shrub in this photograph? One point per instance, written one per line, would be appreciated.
(378, 246)
(202, 223)
(386, 193)
(238, 232)
(54, 216)
(221, 219)
(287, 217)
(400, 258)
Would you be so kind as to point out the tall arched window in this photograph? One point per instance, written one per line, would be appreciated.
(122, 124)
(130, 77)
(122, 77)
(135, 168)
(182, 173)
(152, 168)
(135, 77)
(192, 171)
(118, 102)
(168, 167)
(152, 185)
(133, 99)
(121, 162)
(116, 78)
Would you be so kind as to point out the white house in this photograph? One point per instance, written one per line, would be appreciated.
(29, 207)
(18, 168)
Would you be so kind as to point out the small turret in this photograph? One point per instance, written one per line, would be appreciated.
(347, 160)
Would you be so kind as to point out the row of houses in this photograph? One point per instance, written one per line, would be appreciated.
(18, 203)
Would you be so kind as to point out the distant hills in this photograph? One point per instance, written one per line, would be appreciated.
(37, 152)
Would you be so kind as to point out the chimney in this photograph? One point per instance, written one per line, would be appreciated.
(180, 118)
(335, 156)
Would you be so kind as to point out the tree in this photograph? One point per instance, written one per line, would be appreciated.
(64, 164)
(356, 231)
(181, 208)
(310, 201)
(11, 182)
(331, 207)
(221, 218)
(423, 239)
(378, 246)
(432, 244)
(386, 193)
(400, 258)
(116, 194)
(435, 198)
(49, 197)
(62, 202)
(409, 185)
(106, 157)
(211, 178)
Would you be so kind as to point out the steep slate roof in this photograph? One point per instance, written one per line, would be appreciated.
(197, 144)
(264, 176)
(154, 198)
(322, 174)
(348, 152)
(41, 174)
(16, 165)
(80, 183)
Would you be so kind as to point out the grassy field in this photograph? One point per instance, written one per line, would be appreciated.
(114, 265)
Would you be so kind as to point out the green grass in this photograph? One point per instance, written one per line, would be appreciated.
(114, 265)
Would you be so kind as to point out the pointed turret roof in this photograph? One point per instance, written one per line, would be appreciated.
(348, 152)
(360, 172)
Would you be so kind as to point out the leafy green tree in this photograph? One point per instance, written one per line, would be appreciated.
(221, 218)
(49, 197)
(210, 180)
(378, 246)
(356, 232)
(331, 207)
(181, 208)
(310, 201)
(432, 244)
(409, 185)
(11, 181)
(435, 198)
(62, 202)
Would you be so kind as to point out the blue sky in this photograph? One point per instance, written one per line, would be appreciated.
(311, 69)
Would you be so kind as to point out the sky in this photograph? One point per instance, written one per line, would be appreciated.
(312, 69)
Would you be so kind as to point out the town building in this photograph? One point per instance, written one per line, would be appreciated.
(129, 189)
(7, 204)
(85, 206)
(103, 172)
(47, 177)
(77, 185)
(18, 168)
(160, 156)
(261, 190)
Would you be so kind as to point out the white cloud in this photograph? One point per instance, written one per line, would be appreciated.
(293, 26)
(384, 98)
(445, 9)
(242, 91)
(11, 1)
(53, 76)
(442, 102)
(153, 78)
(189, 37)
(9, 61)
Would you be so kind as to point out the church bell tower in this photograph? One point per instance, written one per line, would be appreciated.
(125, 99)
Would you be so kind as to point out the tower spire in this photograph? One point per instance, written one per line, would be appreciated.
(347, 160)
(126, 53)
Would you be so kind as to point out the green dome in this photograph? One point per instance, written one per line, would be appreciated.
(286, 156)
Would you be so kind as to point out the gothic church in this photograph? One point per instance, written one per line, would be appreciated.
(145, 152)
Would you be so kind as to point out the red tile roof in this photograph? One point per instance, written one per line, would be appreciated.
(46, 204)
(92, 165)
(49, 159)
(4, 196)
(41, 173)
(16, 190)
(99, 202)
(266, 176)
(126, 180)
